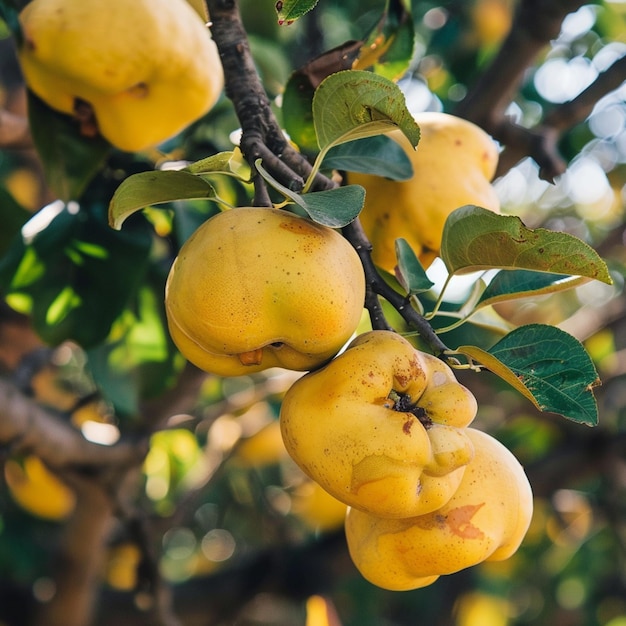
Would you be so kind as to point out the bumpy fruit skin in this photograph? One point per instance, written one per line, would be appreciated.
(255, 288)
(340, 426)
(453, 165)
(485, 520)
(147, 68)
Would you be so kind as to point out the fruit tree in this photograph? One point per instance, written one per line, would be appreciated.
(312, 312)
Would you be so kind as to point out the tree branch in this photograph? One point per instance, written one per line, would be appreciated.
(354, 233)
(27, 427)
(534, 25)
(263, 138)
(80, 559)
(14, 131)
(577, 110)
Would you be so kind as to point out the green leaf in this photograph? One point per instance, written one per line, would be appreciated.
(389, 46)
(410, 272)
(288, 11)
(9, 13)
(334, 207)
(70, 160)
(138, 360)
(378, 155)
(297, 114)
(477, 239)
(548, 366)
(231, 163)
(353, 104)
(147, 188)
(297, 106)
(514, 284)
(77, 271)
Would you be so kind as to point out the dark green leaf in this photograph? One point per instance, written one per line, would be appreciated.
(138, 360)
(77, 273)
(288, 11)
(335, 207)
(147, 188)
(548, 366)
(477, 239)
(378, 155)
(297, 113)
(13, 218)
(70, 160)
(351, 105)
(410, 272)
(513, 284)
(9, 13)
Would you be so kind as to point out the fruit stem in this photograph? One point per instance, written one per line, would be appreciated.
(403, 404)
(354, 233)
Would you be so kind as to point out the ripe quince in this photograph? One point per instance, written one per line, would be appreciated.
(36, 489)
(381, 427)
(453, 165)
(145, 68)
(485, 520)
(255, 288)
(317, 508)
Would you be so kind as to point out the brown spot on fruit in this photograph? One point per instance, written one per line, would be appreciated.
(301, 227)
(139, 91)
(459, 521)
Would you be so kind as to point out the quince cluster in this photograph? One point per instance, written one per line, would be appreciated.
(385, 428)
(382, 427)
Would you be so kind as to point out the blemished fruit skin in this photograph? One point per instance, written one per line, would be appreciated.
(342, 427)
(255, 288)
(453, 165)
(485, 520)
(147, 68)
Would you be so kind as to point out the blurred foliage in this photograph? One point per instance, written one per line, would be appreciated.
(217, 487)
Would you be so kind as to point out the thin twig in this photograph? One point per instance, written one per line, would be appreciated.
(354, 233)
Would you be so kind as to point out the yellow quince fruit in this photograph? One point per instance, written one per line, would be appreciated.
(318, 510)
(381, 427)
(453, 165)
(136, 71)
(255, 288)
(37, 490)
(485, 520)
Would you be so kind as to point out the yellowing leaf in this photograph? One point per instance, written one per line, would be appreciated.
(476, 239)
(354, 104)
